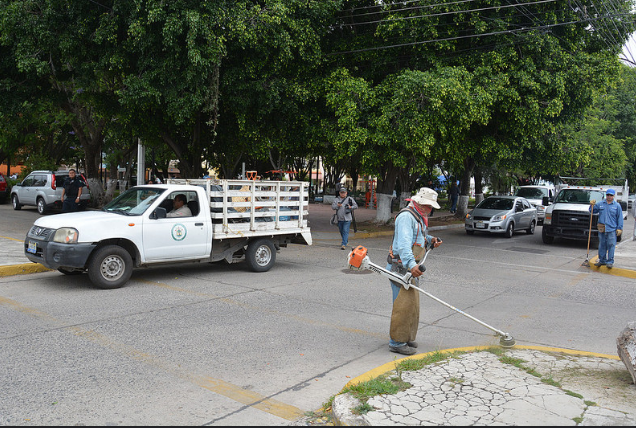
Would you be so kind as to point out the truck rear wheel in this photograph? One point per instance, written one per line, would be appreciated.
(260, 255)
(110, 267)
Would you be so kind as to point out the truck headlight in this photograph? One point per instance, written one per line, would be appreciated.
(548, 218)
(66, 235)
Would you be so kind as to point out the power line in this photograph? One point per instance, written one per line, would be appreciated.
(448, 13)
(494, 33)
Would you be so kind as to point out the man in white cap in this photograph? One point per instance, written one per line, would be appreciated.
(610, 225)
(410, 241)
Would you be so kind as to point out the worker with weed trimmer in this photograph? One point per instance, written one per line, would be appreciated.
(610, 225)
(410, 241)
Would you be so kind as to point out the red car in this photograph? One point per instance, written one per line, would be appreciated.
(3, 188)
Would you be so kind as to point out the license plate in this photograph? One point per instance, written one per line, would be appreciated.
(480, 225)
(32, 248)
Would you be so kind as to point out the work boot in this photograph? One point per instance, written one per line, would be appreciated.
(609, 265)
(412, 344)
(598, 264)
(404, 349)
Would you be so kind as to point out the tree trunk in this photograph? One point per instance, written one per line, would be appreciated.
(384, 195)
(464, 191)
(479, 190)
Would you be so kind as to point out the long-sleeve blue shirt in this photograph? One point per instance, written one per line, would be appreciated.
(408, 232)
(611, 215)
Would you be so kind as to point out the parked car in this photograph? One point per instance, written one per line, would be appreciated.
(43, 189)
(4, 188)
(502, 214)
(535, 195)
(630, 201)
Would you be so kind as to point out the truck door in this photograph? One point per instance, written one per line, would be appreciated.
(178, 238)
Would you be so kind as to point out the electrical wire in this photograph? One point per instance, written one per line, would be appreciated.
(514, 31)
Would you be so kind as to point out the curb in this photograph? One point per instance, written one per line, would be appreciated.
(626, 273)
(22, 269)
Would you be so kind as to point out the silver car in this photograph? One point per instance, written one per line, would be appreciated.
(502, 214)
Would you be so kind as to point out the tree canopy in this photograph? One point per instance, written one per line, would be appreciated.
(378, 88)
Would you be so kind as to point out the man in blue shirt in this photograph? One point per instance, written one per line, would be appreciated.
(610, 214)
(408, 248)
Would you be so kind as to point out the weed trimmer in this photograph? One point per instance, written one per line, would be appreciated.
(589, 236)
(359, 260)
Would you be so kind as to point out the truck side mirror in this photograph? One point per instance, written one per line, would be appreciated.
(545, 201)
(159, 212)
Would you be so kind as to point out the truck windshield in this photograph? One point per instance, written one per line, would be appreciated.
(531, 192)
(134, 201)
(579, 196)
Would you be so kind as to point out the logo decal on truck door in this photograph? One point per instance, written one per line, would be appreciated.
(179, 232)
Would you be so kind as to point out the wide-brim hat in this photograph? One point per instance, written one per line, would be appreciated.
(425, 196)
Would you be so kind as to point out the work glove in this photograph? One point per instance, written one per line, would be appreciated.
(618, 232)
(593, 202)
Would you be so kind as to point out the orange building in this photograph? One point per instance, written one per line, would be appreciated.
(14, 169)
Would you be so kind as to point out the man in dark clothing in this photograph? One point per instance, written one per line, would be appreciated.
(454, 196)
(71, 192)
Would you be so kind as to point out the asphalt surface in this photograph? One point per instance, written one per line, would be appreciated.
(518, 386)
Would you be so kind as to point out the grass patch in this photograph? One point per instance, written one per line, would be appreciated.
(589, 403)
(384, 384)
(552, 382)
(363, 409)
(420, 363)
(573, 394)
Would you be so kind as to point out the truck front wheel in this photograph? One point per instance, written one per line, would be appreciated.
(260, 255)
(544, 236)
(110, 267)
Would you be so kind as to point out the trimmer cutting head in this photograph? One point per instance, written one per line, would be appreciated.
(507, 341)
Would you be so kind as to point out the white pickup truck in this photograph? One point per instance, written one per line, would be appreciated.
(569, 216)
(231, 221)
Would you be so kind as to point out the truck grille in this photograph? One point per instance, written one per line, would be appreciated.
(576, 219)
(41, 233)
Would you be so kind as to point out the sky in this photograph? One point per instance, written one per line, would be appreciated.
(629, 50)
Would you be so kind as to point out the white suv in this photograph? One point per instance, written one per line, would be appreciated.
(43, 189)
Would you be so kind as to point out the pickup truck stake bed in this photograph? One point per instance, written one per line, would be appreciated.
(232, 220)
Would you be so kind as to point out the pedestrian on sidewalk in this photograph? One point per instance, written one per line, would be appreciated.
(609, 225)
(454, 196)
(344, 206)
(410, 241)
(71, 192)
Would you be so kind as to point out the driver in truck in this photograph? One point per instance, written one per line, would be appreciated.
(610, 225)
(180, 207)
